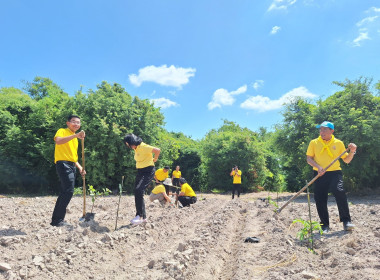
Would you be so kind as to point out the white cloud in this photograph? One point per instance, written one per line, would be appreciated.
(163, 75)
(275, 29)
(366, 20)
(163, 103)
(362, 36)
(374, 9)
(222, 97)
(366, 26)
(281, 4)
(263, 103)
(257, 84)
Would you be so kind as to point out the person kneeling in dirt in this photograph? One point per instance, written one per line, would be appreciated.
(187, 196)
(159, 192)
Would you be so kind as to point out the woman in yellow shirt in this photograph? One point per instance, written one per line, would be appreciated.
(145, 172)
(176, 175)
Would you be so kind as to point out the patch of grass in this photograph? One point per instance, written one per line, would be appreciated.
(217, 191)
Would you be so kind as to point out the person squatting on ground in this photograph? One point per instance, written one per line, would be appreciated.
(145, 172)
(187, 196)
(320, 153)
(66, 162)
(236, 184)
(159, 193)
(160, 175)
(176, 175)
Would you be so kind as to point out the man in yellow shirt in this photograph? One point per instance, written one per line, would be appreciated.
(159, 193)
(66, 162)
(187, 196)
(236, 173)
(176, 175)
(160, 175)
(320, 153)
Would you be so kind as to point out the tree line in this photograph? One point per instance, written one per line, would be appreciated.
(270, 160)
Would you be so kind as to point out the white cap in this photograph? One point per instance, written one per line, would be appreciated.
(168, 182)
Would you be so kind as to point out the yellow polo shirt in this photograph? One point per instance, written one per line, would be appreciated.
(159, 189)
(176, 174)
(161, 175)
(237, 179)
(144, 155)
(336, 148)
(187, 190)
(67, 151)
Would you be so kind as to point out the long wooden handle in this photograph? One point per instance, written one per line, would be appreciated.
(84, 180)
(311, 182)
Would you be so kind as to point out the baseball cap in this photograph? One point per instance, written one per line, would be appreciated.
(326, 124)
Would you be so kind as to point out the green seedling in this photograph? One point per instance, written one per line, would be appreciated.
(308, 227)
(272, 202)
(118, 205)
(95, 193)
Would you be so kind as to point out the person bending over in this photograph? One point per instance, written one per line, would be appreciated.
(145, 172)
(160, 175)
(187, 196)
(159, 193)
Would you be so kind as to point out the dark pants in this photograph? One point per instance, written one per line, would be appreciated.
(331, 181)
(187, 200)
(237, 188)
(66, 172)
(167, 189)
(176, 184)
(143, 178)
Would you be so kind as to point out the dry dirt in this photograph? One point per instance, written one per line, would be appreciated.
(205, 241)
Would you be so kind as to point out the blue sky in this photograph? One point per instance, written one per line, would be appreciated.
(200, 61)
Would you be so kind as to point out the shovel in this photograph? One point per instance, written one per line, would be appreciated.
(311, 182)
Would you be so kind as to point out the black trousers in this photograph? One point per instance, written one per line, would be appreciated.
(187, 200)
(66, 171)
(237, 188)
(143, 178)
(331, 181)
(176, 184)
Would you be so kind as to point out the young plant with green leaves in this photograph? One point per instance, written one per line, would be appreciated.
(308, 227)
(272, 202)
(95, 193)
(306, 232)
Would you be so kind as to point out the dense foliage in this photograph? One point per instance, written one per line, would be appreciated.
(355, 112)
(273, 160)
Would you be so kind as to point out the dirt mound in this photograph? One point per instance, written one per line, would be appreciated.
(205, 241)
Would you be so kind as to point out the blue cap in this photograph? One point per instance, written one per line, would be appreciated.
(326, 124)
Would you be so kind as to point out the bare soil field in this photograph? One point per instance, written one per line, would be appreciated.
(205, 241)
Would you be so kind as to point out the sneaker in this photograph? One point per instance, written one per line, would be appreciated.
(61, 224)
(348, 226)
(135, 219)
(325, 229)
(139, 221)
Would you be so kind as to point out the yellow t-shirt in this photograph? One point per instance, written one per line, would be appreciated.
(176, 174)
(237, 179)
(144, 156)
(187, 190)
(336, 148)
(67, 151)
(161, 175)
(159, 189)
